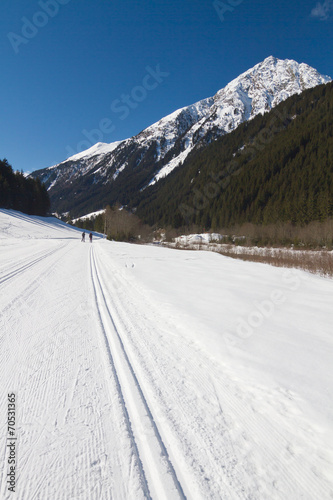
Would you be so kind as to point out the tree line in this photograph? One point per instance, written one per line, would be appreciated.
(21, 193)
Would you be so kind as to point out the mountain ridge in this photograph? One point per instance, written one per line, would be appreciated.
(275, 168)
(113, 173)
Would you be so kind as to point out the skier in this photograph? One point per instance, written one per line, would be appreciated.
(90, 237)
(83, 237)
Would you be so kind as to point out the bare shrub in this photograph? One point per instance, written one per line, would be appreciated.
(319, 262)
(171, 234)
(314, 235)
(122, 225)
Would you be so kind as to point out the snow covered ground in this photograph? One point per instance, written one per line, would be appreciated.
(199, 239)
(146, 372)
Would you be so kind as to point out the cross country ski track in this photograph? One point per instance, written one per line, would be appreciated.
(29, 262)
(229, 442)
(159, 479)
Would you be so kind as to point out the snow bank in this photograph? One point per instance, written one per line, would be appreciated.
(202, 238)
(15, 224)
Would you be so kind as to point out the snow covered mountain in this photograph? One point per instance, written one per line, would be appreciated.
(109, 172)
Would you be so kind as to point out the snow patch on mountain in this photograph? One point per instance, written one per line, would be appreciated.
(88, 216)
(167, 130)
(254, 92)
(101, 148)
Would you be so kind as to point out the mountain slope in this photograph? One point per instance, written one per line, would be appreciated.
(88, 181)
(277, 167)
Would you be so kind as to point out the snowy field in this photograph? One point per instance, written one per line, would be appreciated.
(146, 372)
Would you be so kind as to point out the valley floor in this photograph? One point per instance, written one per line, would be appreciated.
(142, 372)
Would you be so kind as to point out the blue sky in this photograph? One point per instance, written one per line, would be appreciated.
(76, 72)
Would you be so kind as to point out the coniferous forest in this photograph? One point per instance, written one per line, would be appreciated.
(21, 193)
(277, 167)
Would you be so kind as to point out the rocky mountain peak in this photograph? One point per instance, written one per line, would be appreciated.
(165, 145)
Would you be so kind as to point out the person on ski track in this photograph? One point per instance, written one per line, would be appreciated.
(83, 237)
(90, 237)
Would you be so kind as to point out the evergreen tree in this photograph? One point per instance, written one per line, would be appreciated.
(20, 193)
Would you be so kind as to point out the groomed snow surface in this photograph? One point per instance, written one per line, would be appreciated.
(147, 372)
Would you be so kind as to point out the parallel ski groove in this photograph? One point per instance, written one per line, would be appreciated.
(116, 378)
(23, 268)
(163, 450)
